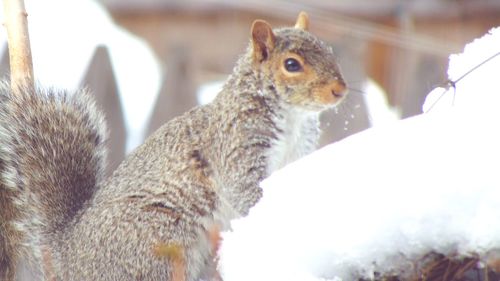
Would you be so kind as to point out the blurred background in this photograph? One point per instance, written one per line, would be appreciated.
(148, 61)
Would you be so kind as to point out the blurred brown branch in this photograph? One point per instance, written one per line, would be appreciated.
(16, 23)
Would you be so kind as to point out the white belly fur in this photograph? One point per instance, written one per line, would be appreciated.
(299, 137)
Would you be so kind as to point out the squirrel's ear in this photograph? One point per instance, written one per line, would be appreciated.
(302, 21)
(262, 40)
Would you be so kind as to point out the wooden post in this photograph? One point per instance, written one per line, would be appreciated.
(16, 23)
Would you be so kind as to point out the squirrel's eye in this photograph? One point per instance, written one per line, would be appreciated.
(292, 65)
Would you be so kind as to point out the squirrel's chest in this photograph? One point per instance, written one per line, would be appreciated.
(298, 136)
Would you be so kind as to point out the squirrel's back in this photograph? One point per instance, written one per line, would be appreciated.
(52, 159)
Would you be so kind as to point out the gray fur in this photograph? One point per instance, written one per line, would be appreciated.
(52, 155)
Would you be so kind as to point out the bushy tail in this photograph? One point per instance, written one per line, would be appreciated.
(52, 159)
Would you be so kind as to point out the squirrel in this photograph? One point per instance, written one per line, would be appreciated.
(151, 217)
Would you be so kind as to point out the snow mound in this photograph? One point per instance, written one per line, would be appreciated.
(381, 199)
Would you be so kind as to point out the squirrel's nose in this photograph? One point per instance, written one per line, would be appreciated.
(338, 88)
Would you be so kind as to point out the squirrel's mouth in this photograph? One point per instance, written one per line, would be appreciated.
(330, 94)
(339, 95)
(338, 89)
(321, 97)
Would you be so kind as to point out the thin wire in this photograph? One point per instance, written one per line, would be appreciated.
(437, 100)
(453, 84)
(474, 68)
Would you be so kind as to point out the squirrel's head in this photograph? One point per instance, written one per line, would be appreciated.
(301, 68)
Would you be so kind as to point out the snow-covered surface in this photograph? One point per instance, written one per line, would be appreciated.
(379, 109)
(64, 35)
(382, 198)
(207, 92)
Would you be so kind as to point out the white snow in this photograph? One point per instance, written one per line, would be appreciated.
(64, 35)
(380, 199)
(377, 105)
(208, 91)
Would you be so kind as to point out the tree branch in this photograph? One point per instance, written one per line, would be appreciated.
(16, 23)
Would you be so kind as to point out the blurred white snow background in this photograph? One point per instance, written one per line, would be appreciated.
(383, 198)
(64, 35)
